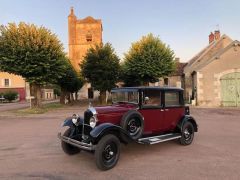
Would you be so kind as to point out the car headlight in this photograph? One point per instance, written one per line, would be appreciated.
(93, 121)
(75, 119)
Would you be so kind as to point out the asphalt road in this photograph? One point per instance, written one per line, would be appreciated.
(29, 149)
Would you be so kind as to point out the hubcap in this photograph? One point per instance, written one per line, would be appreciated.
(109, 152)
(187, 133)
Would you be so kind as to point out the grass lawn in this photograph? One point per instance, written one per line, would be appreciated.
(44, 109)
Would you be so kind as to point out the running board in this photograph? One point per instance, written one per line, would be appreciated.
(159, 139)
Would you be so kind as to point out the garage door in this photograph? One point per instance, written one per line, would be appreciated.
(230, 89)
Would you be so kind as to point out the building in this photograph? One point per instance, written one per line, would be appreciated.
(212, 77)
(11, 82)
(176, 79)
(83, 34)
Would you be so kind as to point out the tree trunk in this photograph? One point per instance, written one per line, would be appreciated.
(102, 97)
(71, 97)
(35, 91)
(76, 96)
(68, 98)
(62, 96)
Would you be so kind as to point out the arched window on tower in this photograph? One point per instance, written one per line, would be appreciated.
(89, 38)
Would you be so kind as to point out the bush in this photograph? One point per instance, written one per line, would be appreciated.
(10, 95)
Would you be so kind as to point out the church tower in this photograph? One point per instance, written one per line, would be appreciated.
(82, 34)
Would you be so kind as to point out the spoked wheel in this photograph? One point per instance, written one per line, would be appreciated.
(107, 152)
(187, 134)
(133, 127)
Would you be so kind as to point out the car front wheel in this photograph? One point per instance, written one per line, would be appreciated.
(187, 134)
(68, 148)
(107, 152)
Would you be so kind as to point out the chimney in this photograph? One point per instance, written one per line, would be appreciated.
(211, 37)
(217, 35)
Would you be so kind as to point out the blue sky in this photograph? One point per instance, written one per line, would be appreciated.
(182, 24)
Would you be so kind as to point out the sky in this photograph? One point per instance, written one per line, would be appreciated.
(184, 25)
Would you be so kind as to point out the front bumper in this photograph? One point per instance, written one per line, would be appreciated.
(81, 145)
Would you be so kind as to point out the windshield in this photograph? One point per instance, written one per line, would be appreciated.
(125, 96)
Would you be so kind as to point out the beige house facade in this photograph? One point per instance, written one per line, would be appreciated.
(212, 77)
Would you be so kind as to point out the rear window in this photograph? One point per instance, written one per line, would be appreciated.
(172, 99)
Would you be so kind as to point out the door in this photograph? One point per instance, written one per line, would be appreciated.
(152, 111)
(230, 89)
(173, 108)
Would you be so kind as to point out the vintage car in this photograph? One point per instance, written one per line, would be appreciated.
(145, 115)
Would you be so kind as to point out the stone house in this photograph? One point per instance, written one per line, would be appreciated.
(212, 77)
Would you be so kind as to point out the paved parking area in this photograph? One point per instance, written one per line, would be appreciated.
(29, 149)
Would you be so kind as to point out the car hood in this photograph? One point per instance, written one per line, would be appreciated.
(116, 108)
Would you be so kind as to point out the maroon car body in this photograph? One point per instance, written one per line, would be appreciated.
(146, 115)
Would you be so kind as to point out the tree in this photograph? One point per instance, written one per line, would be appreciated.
(34, 53)
(147, 60)
(69, 83)
(101, 68)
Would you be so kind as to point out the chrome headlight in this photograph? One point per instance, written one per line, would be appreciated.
(93, 121)
(75, 118)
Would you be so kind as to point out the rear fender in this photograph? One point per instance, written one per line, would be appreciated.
(185, 119)
(107, 128)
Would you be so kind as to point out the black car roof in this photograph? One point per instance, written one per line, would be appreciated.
(148, 87)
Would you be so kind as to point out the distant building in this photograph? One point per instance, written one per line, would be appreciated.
(212, 77)
(11, 82)
(176, 79)
(83, 34)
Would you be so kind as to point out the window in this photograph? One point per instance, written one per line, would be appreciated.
(166, 82)
(172, 99)
(152, 98)
(89, 38)
(6, 82)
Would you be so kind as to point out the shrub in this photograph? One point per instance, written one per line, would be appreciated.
(10, 95)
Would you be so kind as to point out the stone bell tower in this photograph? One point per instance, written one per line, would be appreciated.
(82, 34)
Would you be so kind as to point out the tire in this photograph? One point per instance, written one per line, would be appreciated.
(68, 148)
(133, 123)
(107, 152)
(187, 134)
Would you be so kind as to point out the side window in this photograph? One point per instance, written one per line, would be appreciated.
(6, 82)
(172, 99)
(152, 98)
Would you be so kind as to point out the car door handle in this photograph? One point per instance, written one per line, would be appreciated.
(162, 110)
(166, 109)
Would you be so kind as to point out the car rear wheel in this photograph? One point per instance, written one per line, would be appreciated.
(107, 152)
(187, 133)
(68, 148)
(133, 123)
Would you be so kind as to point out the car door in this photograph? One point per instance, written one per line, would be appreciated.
(173, 109)
(152, 111)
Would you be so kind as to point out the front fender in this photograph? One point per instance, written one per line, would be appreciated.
(68, 122)
(107, 128)
(185, 119)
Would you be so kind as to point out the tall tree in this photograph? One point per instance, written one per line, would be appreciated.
(147, 60)
(69, 83)
(101, 68)
(34, 53)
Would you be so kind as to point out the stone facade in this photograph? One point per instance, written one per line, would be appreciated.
(82, 34)
(204, 71)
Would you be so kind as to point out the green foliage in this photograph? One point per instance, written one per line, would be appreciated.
(71, 81)
(10, 95)
(101, 67)
(147, 60)
(31, 52)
